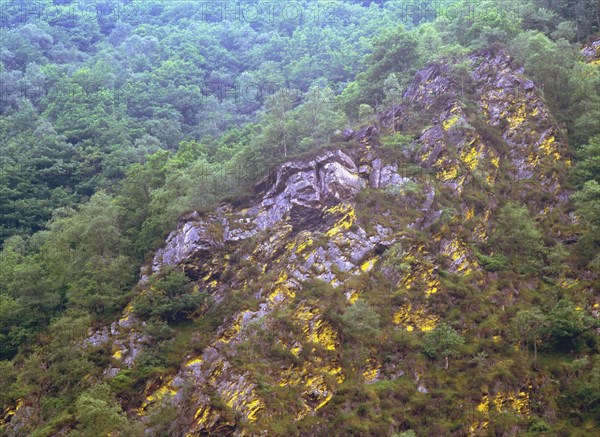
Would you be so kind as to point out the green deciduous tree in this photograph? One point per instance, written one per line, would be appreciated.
(393, 93)
(279, 118)
(587, 200)
(566, 325)
(168, 296)
(551, 66)
(517, 237)
(395, 51)
(99, 413)
(361, 323)
(443, 342)
(317, 119)
(87, 252)
(361, 330)
(529, 327)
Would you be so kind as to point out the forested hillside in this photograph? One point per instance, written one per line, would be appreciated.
(299, 218)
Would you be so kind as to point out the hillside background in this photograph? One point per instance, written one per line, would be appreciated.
(119, 118)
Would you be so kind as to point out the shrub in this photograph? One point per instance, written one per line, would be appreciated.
(517, 237)
(566, 324)
(409, 433)
(168, 297)
(538, 426)
(493, 263)
(159, 330)
(361, 323)
(397, 141)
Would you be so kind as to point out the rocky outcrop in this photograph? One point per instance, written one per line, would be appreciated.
(591, 52)
(305, 226)
(509, 125)
(308, 221)
(296, 191)
(302, 225)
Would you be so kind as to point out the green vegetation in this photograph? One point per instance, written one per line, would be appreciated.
(167, 296)
(115, 122)
(517, 237)
(443, 342)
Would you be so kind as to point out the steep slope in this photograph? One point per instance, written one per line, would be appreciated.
(399, 226)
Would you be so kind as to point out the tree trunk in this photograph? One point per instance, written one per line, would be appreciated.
(394, 116)
(284, 135)
(446, 358)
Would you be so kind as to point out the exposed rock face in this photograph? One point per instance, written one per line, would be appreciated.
(306, 223)
(513, 112)
(297, 189)
(591, 53)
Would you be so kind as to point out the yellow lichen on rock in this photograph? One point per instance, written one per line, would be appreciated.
(448, 123)
(304, 242)
(495, 161)
(127, 311)
(518, 117)
(315, 329)
(420, 273)
(296, 349)
(459, 255)
(166, 389)
(232, 331)
(280, 294)
(368, 265)
(290, 376)
(471, 157)
(484, 405)
(424, 275)
(304, 313)
(518, 403)
(316, 387)
(194, 361)
(352, 296)
(414, 319)
(372, 370)
(253, 407)
(335, 369)
(548, 147)
(311, 376)
(345, 221)
(324, 401)
(201, 416)
(243, 399)
(448, 173)
(9, 412)
(310, 373)
(323, 334)
(485, 107)
(432, 287)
